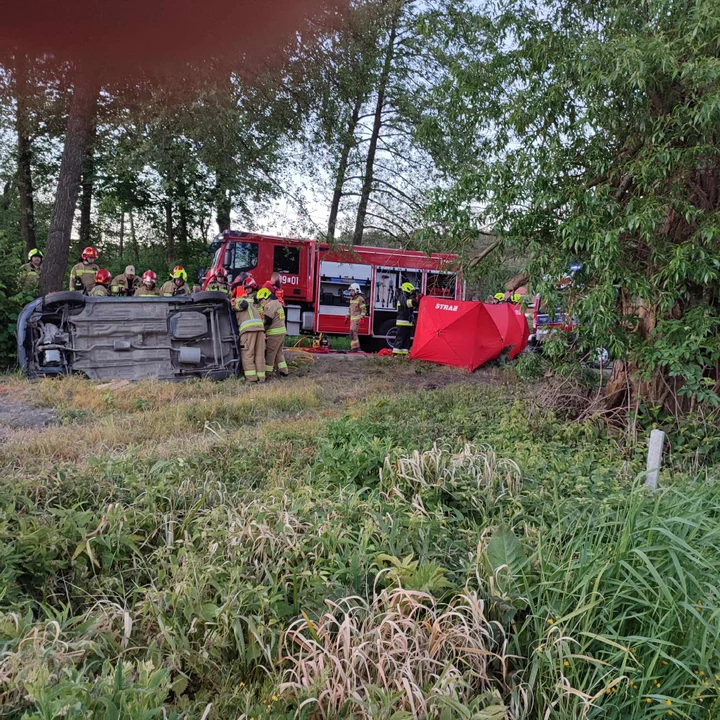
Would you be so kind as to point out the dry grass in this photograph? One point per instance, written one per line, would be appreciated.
(438, 468)
(402, 644)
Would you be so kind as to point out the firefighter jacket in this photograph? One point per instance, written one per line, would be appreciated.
(31, 283)
(216, 286)
(122, 285)
(358, 309)
(82, 277)
(274, 318)
(145, 291)
(406, 306)
(99, 291)
(276, 291)
(170, 289)
(248, 313)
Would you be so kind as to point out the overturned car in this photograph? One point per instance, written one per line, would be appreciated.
(171, 338)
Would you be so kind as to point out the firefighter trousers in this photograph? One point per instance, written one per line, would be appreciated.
(402, 340)
(354, 336)
(252, 346)
(274, 355)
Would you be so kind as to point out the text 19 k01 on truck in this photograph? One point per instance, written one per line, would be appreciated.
(316, 278)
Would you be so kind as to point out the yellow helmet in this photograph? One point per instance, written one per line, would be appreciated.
(33, 253)
(499, 296)
(263, 294)
(408, 287)
(516, 298)
(178, 273)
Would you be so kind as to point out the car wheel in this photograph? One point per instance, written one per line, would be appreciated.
(67, 297)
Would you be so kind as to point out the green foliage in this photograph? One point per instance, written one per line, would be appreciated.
(195, 567)
(588, 133)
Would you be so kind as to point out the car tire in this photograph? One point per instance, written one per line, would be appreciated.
(66, 297)
(205, 295)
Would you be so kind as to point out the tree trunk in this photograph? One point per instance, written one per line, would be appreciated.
(169, 237)
(88, 181)
(223, 197)
(24, 148)
(377, 126)
(342, 168)
(122, 232)
(183, 229)
(81, 120)
(133, 238)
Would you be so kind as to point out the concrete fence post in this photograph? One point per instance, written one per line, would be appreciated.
(654, 459)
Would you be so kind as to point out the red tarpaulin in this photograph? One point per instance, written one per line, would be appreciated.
(467, 334)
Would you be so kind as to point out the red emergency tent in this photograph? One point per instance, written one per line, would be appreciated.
(466, 334)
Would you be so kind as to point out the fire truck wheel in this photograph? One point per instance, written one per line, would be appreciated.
(388, 330)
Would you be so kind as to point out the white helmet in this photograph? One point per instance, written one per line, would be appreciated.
(355, 287)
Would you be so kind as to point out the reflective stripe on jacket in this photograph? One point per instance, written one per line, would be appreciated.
(121, 286)
(82, 274)
(274, 317)
(249, 315)
(357, 307)
(405, 308)
(169, 289)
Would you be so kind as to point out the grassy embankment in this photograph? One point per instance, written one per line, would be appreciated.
(359, 542)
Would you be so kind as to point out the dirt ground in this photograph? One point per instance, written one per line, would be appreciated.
(343, 377)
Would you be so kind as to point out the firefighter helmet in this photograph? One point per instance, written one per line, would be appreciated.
(249, 283)
(408, 287)
(355, 288)
(34, 253)
(263, 294)
(103, 277)
(499, 296)
(179, 273)
(149, 277)
(89, 253)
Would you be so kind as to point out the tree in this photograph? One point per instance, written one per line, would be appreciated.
(589, 133)
(384, 79)
(24, 153)
(79, 130)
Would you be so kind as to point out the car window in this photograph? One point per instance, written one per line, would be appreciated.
(241, 257)
(286, 260)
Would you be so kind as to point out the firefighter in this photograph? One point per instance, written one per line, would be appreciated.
(177, 284)
(82, 275)
(406, 305)
(356, 312)
(32, 270)
(125, 284)
(274, 285)
(102, 281)
(218, 282)
(274, 319)
(237, 286)
(149, 287)
(250, 326)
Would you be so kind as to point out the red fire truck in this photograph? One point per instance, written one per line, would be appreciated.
(316, 278)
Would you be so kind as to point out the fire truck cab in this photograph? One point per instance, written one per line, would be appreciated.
(316, 278)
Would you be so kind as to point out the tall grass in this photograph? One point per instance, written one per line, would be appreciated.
(225, 552)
